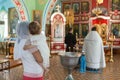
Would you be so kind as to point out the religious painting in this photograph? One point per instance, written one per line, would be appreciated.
(66, 6)
(76, 8)
(76, 30)
(115, 17)
(57, 26)
(13, 19)
(115, 29)
(85, 29)
(37, 15)
(115, 5)
(58, 31)
(84, 7)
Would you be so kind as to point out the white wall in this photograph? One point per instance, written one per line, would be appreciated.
(4, 17)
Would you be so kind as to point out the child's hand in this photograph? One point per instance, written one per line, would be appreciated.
(46, 71)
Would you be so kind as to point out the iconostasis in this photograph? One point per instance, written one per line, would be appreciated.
(103, 12)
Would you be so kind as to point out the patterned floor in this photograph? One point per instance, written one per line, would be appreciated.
(57, 72)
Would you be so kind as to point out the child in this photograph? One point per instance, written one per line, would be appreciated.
(39, 40)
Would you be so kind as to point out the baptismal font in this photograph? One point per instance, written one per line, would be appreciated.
(70, 59)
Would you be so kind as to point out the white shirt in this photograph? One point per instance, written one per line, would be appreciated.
(40, 42)
(31, 67)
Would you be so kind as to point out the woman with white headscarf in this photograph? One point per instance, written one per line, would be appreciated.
(32, 70)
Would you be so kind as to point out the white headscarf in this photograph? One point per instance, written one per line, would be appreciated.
(22, 32)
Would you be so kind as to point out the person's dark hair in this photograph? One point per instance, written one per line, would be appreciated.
(94, 28)
(70, 29)
(34, 28)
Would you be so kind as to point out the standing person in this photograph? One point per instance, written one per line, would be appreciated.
(38, 39)
(30, 58)
(70, 40)
(93, 47)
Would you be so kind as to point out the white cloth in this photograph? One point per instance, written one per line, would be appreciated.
(17, 54)
(94, 50)
(40, 42)
(31, 67)
(22, 32)
(58, 31)
(29, 63)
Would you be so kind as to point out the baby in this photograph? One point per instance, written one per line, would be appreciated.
(38, 39)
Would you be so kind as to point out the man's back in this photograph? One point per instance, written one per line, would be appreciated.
(70, 40)
(93, 47)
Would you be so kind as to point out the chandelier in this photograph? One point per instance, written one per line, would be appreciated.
(97, 10)
(99, 1)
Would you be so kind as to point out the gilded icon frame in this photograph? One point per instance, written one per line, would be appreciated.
(84, 7)
(37, 15)
(76, 7)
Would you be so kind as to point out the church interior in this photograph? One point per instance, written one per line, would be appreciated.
(56, 17)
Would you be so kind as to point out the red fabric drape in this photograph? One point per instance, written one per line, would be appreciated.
(99, 21)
